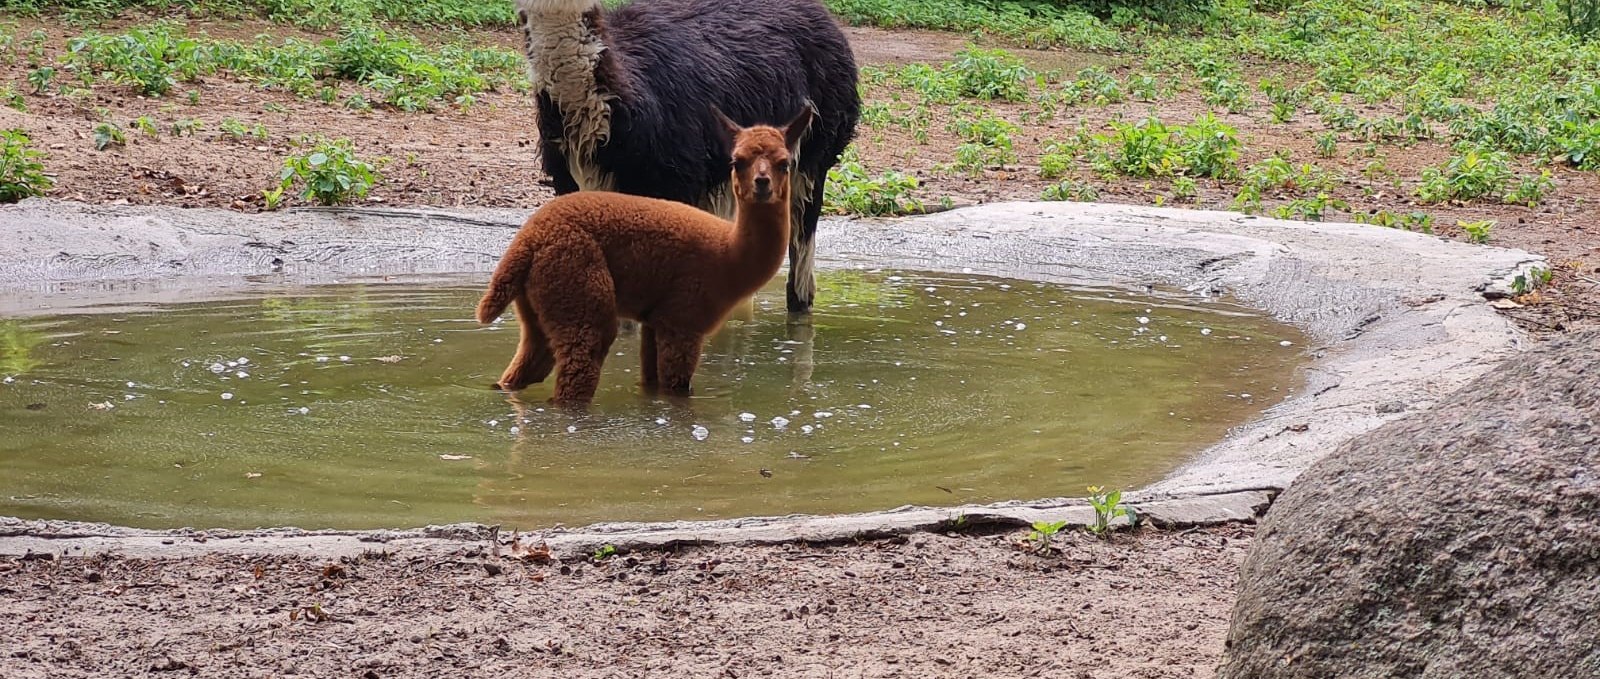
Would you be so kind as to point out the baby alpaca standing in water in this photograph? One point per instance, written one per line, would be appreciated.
(587, 258)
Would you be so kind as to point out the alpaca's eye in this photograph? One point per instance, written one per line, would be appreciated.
(740, 164)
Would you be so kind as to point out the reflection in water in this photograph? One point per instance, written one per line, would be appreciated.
(17, 345)
(365, 406)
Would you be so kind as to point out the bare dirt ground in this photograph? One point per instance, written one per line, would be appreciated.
(1153, 605)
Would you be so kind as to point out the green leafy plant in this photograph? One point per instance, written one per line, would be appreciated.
(13, 98)
(1108, 507)
(187, 126)
(40, 78)
(236, 131)
(1536, 277)
(1043, 534)
(990, 74)
(1531, 189)
(1477, 231)
(1310, 209)
(21, 170)
(1184, 188)
(1209, 148)
(1327, 144)
(1472, 173)
(1071, 190)
(146, 126)
(330, 173)
(107, 135)
(603, 553)
(1142, 149)
(852, 190)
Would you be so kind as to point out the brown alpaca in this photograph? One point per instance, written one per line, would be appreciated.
(587, 258)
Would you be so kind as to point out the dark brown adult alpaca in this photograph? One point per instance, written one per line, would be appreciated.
(587, 258)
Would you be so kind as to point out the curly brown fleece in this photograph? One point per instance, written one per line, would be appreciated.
(587, 258)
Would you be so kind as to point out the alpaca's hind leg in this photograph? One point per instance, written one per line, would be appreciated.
(582, 350)
(534, 360)
(647, 356)
(577, 308)
(677, 356)
(801, 290)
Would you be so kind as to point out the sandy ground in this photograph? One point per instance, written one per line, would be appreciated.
(1151, 605)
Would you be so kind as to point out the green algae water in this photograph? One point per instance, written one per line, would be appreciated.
(368, 405)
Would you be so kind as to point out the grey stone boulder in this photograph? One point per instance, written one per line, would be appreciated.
(1461, 542)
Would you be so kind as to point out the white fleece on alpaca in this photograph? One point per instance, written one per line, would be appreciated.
(562, 55)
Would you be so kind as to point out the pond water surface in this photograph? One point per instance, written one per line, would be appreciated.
(368, 405)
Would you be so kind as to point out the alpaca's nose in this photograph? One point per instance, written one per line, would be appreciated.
(763, 183)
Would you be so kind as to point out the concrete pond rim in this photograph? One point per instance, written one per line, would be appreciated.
(1397, 320)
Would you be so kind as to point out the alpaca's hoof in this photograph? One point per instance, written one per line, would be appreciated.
(797, 305)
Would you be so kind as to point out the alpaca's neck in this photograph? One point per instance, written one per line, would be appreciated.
(760, 242)
(568, 60)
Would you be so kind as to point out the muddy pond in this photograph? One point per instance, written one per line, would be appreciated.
(368, 405)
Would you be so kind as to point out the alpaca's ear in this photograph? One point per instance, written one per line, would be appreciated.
(796, 129)
(726, 128)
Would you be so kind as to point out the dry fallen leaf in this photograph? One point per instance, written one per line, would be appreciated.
(389, 359)
(452, 458)
(252, 475)
(101, 406)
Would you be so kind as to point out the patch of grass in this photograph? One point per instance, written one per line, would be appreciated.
(21, 168)
(329, 173)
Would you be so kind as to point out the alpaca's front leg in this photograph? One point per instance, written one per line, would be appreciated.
(677, 356)
(801, 290)
(647, 356)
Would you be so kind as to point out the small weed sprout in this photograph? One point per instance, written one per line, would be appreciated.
(331, 173)
(1530, 190)
(107, 135)
(21, 172)
(603, 553)
(146, 126)
(1477, 231)
(40, 78)
(1327, 144)
(1071, 190)
(1108, 507)
(1184, 188)
(1043, 534)
(187, 126)
(1536, 277)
